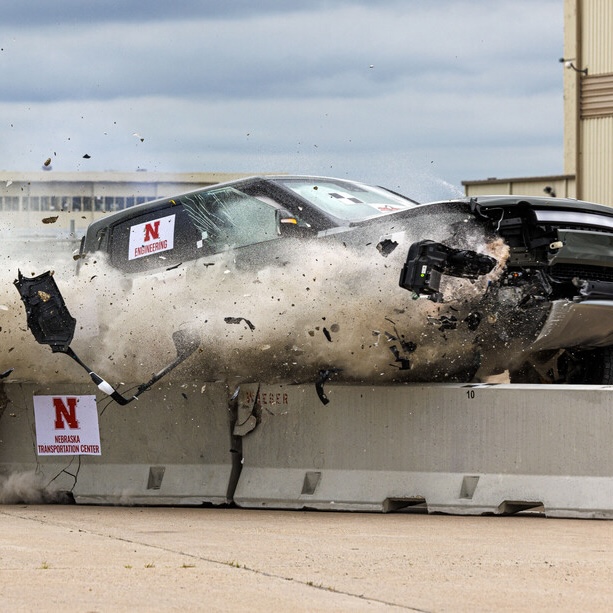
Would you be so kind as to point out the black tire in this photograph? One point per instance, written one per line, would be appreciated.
(593, 367)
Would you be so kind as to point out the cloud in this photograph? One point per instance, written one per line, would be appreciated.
(210, 84)
(310, 54)
(28, 13)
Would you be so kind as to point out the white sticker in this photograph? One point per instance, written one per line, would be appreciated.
(151, 237)
(66, 425)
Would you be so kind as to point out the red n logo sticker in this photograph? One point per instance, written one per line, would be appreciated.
(152, 230)
(66, 415)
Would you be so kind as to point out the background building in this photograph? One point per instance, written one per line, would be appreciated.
(588, 112)
(63, 204)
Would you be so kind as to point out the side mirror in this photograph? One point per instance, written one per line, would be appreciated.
(290, 225)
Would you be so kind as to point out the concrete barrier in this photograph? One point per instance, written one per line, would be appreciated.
(442, 448)
(172, 446)
(446, 448)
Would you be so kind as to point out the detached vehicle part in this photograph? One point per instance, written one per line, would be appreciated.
(427, 261)
(51, 324)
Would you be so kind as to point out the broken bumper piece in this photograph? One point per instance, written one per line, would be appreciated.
(51, 324)
(427, 261)
(47, 315)
(594, 290)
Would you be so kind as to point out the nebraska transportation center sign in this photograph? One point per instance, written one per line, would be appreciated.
(66, 425)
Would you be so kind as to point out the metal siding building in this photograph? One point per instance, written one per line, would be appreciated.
(561, 186)
(595, 24)
(593, 30)
(588, 111)
(596, 169)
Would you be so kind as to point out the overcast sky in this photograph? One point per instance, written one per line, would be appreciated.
(417, 95)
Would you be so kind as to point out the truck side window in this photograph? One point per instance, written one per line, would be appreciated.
(227, 218)
(191, 226)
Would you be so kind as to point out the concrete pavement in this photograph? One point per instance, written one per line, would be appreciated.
(89, 558)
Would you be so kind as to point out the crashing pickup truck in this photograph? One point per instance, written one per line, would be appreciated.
(288, 277)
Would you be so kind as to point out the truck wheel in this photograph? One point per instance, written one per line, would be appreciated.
(593, 367)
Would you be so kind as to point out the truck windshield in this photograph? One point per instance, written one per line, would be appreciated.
(347, 200)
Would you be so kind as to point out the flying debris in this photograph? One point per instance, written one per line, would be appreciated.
(237, 320)
(428, 261)
(473, 320)
(404, 362)
(51, 324)
(386, 246)
(322, 377)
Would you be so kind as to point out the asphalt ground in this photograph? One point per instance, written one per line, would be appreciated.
(91, 558)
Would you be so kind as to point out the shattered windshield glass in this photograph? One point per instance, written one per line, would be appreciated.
(228, 217)
(347, 200)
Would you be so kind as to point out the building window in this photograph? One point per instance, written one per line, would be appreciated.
(49, 203)
(11, 203)
(115, 203)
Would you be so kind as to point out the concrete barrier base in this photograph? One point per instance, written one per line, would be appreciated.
(576, 497)
(442, 448)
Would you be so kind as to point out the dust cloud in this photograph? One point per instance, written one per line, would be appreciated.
(29, 488)
(278, 314)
